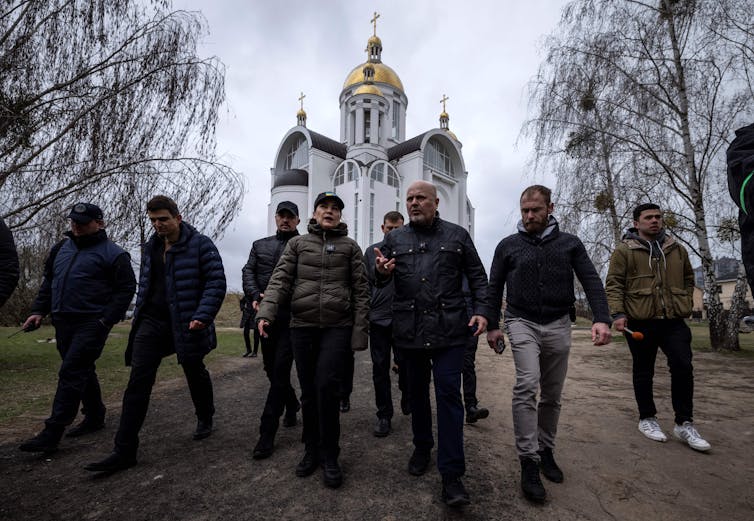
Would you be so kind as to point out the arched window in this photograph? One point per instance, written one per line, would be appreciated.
(377, 174)
(297, 154)
(437, 158)
(339, 178)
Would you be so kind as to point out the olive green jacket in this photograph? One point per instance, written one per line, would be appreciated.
(322, 275)
(641, 286)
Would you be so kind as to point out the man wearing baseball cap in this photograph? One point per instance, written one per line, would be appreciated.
(87, 287)
(277, 355)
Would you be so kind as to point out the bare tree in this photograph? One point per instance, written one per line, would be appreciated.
(107, 102)
(664, 96)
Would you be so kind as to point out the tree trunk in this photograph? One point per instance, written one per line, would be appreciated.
(737, 310)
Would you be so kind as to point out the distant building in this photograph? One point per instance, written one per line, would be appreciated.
(372, 163)
(726, 272)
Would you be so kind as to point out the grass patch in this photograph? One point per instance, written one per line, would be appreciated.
(29, 364)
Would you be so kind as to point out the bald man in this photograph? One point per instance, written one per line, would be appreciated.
(427, 261)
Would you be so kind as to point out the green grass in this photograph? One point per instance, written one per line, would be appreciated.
(29, 366)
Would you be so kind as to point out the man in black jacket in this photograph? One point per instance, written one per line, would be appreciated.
(8, 263)
(427, 261)
(88, 284)
(537, 265)
(277, 354)
(381, 334)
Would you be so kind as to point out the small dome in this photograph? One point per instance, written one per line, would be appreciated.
(301, 112)
(368, 89)
(374, 40)
(382, 74)
(444, 114)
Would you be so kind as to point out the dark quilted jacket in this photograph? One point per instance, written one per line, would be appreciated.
(263, 257)
(321, 274)
(194, 288)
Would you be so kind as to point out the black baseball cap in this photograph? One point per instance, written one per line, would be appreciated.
(85, 213)
(329, 195)
(289, 206)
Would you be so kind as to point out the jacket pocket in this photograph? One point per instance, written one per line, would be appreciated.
(683, 303)
(639, 304)
(404, 320)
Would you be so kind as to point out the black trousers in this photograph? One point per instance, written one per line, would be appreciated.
(444, 365)
(674, 338)
(321, 355)
(380, 346)
(469, 374)
(247, 327)
(80, 340)
(277, 357)
(153, 341)
(346, 386)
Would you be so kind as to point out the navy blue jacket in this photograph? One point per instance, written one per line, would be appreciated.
(429, 310)
(381, 304)
(88, 275)
(194, 289)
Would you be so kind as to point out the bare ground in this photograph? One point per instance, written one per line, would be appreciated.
(612, 472)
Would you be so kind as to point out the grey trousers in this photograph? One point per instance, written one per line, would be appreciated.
(540, 352)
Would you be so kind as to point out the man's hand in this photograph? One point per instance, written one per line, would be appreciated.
(196, 325)
(493, 335)
(255, 306)
(601, 334)
(382, 264)
(260, 327)
(620, 323)
(32, 323)
(480, 322)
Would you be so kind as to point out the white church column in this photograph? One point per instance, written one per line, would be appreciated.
(359, 126)
(374, 121)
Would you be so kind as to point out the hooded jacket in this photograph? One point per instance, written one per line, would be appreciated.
(650, 279)
(321, 276)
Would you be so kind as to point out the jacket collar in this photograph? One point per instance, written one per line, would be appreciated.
(87, 241)
(341, 229)
(552, 229)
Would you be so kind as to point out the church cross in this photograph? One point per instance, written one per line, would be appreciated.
(443, 100)
(374, 22)
(301, 99)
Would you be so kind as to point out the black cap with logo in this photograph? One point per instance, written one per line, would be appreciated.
(329, 195)
(85, 213)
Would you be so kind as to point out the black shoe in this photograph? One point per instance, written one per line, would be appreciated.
(264, 447)
(113, 463)
(532, 486)
(332, 475)
(475, 413)
(405, 407)
(549, 468)
(253, 355)
(307, 465)
(454, 493)
(85, 427)
(345, 405)
(247, 354)
(46, 441)
(203, 429)
(419, 462)
(382, 428)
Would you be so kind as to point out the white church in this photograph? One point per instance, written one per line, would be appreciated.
(372, 163)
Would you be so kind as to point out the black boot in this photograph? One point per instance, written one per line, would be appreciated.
(475, 413)
(46, 441)
(113, 463)
(264, 447)
(85, 427)
(549, 468)
(332, 475)
(454, 493)
(419, 462)
(203, 429)
(307, 465)
(532, 486)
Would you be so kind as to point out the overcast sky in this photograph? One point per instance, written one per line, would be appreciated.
(481, 54)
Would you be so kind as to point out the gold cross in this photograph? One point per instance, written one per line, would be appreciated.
(374, 22)
(301, 99)
(443, 100)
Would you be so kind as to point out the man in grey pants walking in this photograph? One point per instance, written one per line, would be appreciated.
(537, 264)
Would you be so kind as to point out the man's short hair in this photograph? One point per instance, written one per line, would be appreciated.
(393, 217)
(162, 202)
(537, 189)
(643, 207)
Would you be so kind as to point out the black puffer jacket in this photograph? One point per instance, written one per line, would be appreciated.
(429, 310)
(321, 274)
(8, 263)
(264, 255)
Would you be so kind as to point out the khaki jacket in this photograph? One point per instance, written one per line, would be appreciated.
(644, 287)
(322, 275)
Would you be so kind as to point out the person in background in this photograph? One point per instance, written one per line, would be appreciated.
(87, 287)
(277, 353)
(322, 275)
(8, 263)
(181, 289)
(247, 324)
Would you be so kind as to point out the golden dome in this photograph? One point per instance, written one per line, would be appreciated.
(301, 112)
(368, 89)
(444, 114)
(382, 74)
(374, 40)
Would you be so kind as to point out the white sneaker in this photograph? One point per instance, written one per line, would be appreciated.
(651, 429)
(688, 433)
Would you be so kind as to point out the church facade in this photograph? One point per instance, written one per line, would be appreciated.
(372, 163)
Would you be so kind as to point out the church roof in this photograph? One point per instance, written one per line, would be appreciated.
(325, 144)
(405, 148)
(382, 74)
(296, 177)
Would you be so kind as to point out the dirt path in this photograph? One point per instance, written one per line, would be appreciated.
(611, 471)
